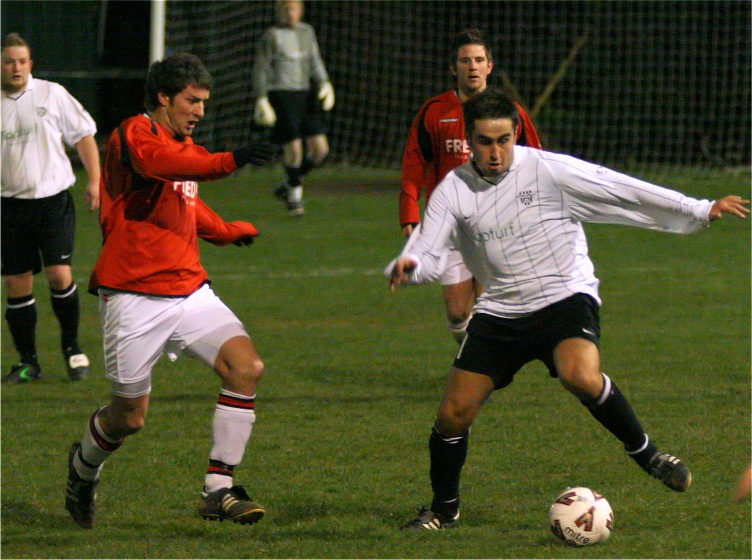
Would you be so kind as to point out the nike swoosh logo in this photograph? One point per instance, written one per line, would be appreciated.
(65, 256)
(588, 331)
(448, 120)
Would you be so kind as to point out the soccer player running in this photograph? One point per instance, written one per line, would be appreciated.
(38, 211)
(154, 294)
(288, 65)
(516, 214)
(436, 145)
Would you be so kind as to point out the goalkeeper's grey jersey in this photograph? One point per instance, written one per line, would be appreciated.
(288, 59)
(522, 238)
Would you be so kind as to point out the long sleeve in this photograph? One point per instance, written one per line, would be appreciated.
(153, 158)
(414, 175)
(262, 66)
(437, 228)
(597, 194)
(318, 69)
(212, 228)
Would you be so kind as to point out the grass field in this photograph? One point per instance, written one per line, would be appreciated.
(354, 375)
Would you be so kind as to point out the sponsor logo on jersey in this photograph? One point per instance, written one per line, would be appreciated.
(19, 135)
(498, 232)
(41, 111)
(187, 189)
(456, 146)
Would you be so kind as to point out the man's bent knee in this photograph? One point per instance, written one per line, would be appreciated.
(453, 420)
(238, 356)
(123, 417)
(578, 366)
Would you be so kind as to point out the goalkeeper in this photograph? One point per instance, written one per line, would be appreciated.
(293, 91)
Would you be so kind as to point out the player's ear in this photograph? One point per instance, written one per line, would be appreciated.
(163, 98)
(490, 66)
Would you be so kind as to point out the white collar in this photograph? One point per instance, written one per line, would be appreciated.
(17, 94)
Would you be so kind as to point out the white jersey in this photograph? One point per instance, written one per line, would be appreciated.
(522, 237)
(35, 124)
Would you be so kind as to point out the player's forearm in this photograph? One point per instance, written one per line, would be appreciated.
(88, 151)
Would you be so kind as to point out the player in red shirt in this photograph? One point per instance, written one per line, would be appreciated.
(154, 295)
(436, 145)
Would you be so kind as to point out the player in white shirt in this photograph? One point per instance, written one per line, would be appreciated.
(517, 215)
(38, 212)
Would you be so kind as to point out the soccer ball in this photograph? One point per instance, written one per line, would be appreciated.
(581, 516)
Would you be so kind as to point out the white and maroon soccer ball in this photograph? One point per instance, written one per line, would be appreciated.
(581, 516)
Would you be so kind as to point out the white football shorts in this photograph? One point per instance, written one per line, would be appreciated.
(453, 268)
(137, 329)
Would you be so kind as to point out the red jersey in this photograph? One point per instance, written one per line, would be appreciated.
(437, 144)
(150, 213)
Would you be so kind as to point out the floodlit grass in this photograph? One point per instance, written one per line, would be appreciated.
(354, 375)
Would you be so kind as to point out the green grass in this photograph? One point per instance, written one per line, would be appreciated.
(354, 375)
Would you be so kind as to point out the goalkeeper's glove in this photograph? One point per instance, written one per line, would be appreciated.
(263, 113)
(257, 154)
(326, 95)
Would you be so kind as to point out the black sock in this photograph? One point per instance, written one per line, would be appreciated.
(448, 456)
(21, 315)
(293, 176)
(643, 453)
(615, 413)
(307, 165)
(66, 308)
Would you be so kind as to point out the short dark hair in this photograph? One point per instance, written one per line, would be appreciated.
(172, 75)
(489, 104)
(15, 40)
(468, 37)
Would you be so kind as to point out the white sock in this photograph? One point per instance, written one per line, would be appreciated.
(233, 422)
(96, 447)
(295, 194)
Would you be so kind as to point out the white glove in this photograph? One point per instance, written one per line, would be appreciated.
(263, 113)
(326, 95)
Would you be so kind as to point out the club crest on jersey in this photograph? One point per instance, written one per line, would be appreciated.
(41, 111)
(526, 197)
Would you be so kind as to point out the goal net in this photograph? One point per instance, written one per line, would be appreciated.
(628, 84)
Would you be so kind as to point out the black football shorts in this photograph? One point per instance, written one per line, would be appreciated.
(499, 347)
(36, 232)
(299, 115)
